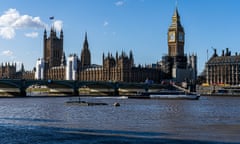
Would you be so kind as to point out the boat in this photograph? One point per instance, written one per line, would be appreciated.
(228, 91)
(175, 95)
(84, 103)
(167, 95)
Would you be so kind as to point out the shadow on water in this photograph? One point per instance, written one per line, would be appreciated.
(15, 134)
(31, 119)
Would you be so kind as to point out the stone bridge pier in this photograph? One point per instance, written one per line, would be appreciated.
(110, 88)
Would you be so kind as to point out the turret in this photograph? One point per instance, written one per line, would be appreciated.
(116, 57)
(85, 44)
(215, 53)
(103, 57)
(61, 34)
(45, 35)
(85, 53)
(131, 58)
(22, 68)
(53, 32)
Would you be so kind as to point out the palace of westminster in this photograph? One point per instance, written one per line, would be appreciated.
(54, 65)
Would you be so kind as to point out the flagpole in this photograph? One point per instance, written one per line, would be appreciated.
(207, 54)
(51, 19)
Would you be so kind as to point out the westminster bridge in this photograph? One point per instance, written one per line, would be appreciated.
(20, 87)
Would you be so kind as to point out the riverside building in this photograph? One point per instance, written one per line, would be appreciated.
(223, 69)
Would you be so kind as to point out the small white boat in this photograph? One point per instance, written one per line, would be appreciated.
(168, 95)
(175, 96)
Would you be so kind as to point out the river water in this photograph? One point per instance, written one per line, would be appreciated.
(50, 120)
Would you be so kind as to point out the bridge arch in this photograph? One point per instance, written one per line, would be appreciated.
(7, 83)
(97, 88)
(11, 87)
(21, 85)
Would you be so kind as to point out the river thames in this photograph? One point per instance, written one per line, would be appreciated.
(49, 120)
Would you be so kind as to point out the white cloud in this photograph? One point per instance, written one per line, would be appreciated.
(58, 24)
(9, 17)
(32, 34)
(105, 23)
(12, 20)
(119, 3)
(7, 53)
(27, 21)
(7, 32)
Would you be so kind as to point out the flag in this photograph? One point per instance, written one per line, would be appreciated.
(51, 18)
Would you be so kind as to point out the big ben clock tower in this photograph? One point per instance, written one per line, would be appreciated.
(176, 42)
(176, 65)
(176, 36)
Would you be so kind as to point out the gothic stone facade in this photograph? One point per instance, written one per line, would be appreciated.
(8, 70)
(118, 68)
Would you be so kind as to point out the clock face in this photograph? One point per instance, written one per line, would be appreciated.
(171, 36)
(180, 36)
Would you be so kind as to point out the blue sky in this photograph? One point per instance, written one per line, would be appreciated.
(117, 25)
